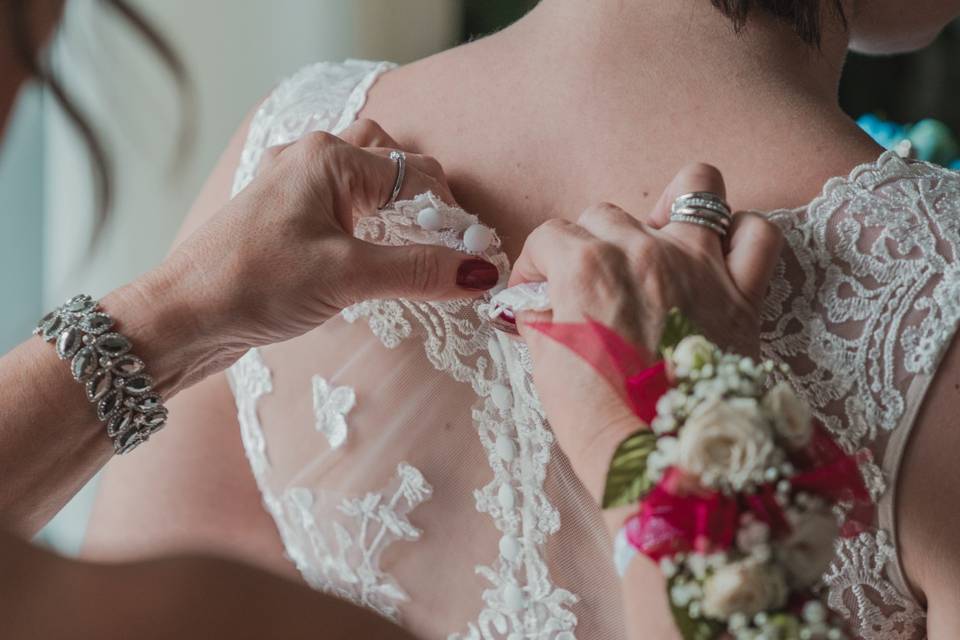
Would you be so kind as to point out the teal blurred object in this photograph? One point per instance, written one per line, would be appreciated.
(934, 141)
(929, 139)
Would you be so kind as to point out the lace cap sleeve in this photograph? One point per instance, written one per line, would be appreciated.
(864, 304)
(324, 96)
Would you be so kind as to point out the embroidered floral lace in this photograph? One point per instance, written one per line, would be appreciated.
(404, 456)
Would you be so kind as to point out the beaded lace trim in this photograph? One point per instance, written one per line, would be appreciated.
(459, 341)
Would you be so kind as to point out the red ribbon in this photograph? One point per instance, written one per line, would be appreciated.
(672, 520)
(825, 469)
(624, 366)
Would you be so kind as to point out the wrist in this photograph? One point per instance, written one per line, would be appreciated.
(592, 464)
(169, 328)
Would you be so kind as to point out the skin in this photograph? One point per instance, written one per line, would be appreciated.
(777, 93)
(573, 105)
(196, 313)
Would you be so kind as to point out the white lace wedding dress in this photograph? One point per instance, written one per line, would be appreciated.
(454, 512)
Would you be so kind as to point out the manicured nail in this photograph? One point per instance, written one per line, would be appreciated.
(477, 275)
(506, 322)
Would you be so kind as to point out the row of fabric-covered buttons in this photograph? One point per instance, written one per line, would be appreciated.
(476, 238)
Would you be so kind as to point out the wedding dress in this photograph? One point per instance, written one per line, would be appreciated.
(406, 461)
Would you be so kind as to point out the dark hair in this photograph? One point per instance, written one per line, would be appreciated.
(30, 56)
(802, 15)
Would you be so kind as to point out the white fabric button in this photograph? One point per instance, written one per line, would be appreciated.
(513, 597)
(564, 635)
(477, 238)
(505, 448)
(502, 396)
(509, 548)
(430, 219)
(506, 497)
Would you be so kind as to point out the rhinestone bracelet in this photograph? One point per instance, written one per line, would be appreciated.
(114, 379)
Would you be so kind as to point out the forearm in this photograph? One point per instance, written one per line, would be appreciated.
(51, 442)
(44, 596)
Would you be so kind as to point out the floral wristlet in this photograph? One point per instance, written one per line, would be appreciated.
(739, 489)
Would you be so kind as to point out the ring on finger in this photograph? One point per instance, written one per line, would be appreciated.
(400, 159)
(702, 208)
(702, 200)
(700, 221)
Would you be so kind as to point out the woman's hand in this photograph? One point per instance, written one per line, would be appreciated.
(280, 258)
(615, 270)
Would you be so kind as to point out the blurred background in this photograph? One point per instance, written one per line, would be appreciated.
(44, 170)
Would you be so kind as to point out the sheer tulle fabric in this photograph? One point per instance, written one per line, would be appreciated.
(405, 459)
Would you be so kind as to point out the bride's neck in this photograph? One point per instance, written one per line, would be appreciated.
(671, 42)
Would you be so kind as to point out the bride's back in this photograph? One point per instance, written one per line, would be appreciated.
(584, 102)
(400, 449)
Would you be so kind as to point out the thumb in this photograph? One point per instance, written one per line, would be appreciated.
(423, 272)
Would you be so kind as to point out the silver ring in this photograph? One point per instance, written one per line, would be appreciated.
(688, 219)
(400, 159)
(704, 209)
(707, 214)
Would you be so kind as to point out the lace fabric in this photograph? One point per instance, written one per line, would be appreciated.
(863, 305)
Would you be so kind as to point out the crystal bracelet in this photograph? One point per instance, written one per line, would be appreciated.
(114, 379)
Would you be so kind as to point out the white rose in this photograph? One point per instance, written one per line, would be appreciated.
(806, 553)
(747, 587)
(752, 536)
(791, 415)
(725, 442)
(692, 353)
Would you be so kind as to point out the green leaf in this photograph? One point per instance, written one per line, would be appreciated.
(627, 480)
(693, 628)
(676, 327)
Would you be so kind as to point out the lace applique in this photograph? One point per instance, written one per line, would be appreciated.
(250, 380)
(330, 408)
(863, 305)
(522, 600)
(339, 556)
(320, 97)
(872, 301)
(859, 589)
(343, 557)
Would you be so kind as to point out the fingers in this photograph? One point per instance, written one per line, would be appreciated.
(547, 251)
(270, 156)
(693, 177)
(612, 224)
(755, 245)
(423, 173)
(419, 272)
(368, 133)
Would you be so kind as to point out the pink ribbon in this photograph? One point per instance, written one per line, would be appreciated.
(624, 366)
(674, 520)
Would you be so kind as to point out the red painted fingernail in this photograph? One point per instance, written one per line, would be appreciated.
(477, 275)
(506, 322)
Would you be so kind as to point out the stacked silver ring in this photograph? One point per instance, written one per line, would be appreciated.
(400, 159)
(114, 379)
(704, 209)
